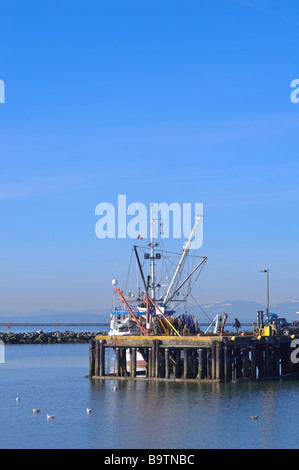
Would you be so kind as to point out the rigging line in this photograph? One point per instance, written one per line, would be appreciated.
(189, 285)
(196, 278)
(175, 287)
(165, 275)
(181, 272)
(129, 269)
(202, 309)
(174, 264)
(169, 252)
(189, 289)
(171, 265)
(164, 267)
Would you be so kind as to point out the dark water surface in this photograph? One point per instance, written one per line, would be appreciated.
(139, 414)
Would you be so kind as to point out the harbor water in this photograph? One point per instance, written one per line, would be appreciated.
(135, 414)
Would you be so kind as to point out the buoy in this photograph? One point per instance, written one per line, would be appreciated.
(8, 325)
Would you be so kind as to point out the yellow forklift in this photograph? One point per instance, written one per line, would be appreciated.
(268, 326)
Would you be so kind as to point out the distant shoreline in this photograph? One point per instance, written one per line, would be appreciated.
(39, 336)
(15, 324)
(12, 324)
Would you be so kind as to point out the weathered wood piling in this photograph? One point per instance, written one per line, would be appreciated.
(215, 358)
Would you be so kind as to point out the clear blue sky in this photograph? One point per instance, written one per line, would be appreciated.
(169, 100)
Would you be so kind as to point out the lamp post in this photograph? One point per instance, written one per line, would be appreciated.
(267, 271)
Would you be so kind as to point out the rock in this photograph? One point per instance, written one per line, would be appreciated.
(41, 337)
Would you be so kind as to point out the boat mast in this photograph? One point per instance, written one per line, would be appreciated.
(152, 245)
(182, 260)
(204, 260)
(140, 269)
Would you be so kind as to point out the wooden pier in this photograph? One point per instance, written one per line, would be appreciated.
(216, 358)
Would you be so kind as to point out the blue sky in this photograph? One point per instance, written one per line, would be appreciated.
(164, 101)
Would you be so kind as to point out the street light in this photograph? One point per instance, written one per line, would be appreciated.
(267, 271)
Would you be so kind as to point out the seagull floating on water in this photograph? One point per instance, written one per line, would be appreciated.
(36, 410)
(17, 399)
(88, 410)
(115, 388)
(253, 417)
(50, 416)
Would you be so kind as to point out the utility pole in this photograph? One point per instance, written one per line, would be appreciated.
(268, 291)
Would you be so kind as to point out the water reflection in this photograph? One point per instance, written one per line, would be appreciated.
(140, 413)
(166, 414)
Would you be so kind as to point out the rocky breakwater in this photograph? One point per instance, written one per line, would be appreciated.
(42, 337)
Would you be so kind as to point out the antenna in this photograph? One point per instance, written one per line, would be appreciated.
(114, 283)
(152, 246)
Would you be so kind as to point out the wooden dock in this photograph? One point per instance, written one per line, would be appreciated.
(217, 358)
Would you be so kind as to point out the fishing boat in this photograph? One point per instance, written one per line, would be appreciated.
(157, 303)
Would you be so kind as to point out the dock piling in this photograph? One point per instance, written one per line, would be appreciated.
(91, 358)
(101, 358)
(200, 372)
(195, 358)
(167, 373)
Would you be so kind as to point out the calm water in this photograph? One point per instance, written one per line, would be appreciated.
(140, 414)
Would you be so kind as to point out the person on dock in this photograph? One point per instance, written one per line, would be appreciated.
(237, 325)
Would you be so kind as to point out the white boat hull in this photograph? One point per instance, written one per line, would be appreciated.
(140, 362)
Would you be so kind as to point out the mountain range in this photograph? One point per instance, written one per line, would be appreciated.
(244, 310)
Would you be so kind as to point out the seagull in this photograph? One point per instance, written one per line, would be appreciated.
(17, 399)
(253, 417)
(36, 410)
(50, 416)
(88, 410)
(115, 388)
